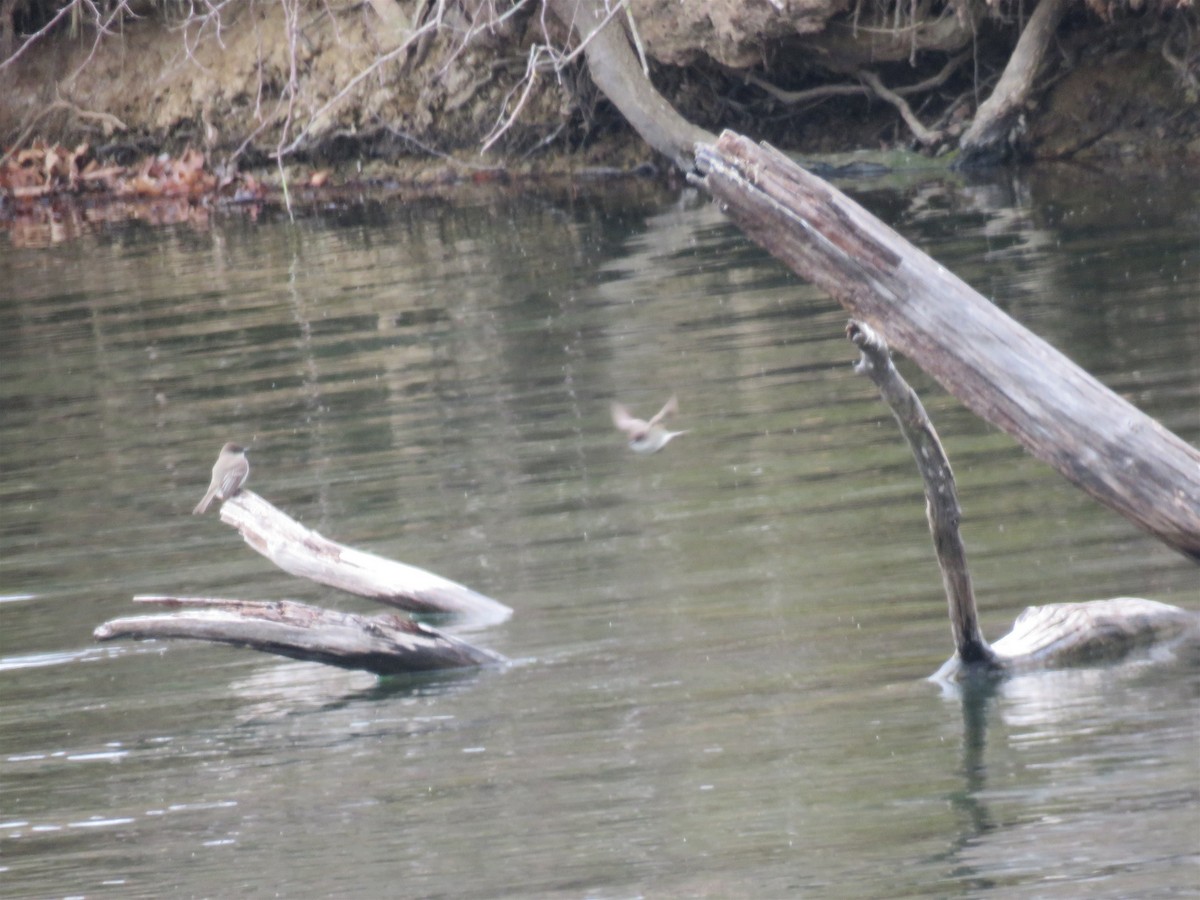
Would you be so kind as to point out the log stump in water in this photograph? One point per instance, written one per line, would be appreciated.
(1056, 635)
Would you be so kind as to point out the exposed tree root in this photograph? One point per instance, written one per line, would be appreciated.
(996, 129)
(923, 135)
(849, 46)
(869, 83)
(617, 73)
(846, 90)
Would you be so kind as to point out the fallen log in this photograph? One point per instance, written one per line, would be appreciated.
(1051, 636)
(386, 644)
(303, 552)
(1001, 371)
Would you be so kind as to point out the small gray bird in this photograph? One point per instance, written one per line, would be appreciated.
(229, 473)
(646, 437)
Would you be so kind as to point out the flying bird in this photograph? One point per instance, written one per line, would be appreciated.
(229, 473)
(646, 437)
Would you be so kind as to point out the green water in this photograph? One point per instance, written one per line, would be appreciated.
(719, 651)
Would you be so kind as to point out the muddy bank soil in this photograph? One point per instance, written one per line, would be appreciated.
(416, 98)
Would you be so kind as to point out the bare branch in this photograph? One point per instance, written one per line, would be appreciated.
(40, 33)
(529, 80)
(922, 134)
(637, 42)
(849, 90)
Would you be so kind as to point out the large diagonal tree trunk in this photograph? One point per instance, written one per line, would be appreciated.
(1000, 370)
(997, 368)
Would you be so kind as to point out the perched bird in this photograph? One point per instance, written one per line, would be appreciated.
(646, 437)
(229, 473)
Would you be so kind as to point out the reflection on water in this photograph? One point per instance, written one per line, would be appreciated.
(1075, 740)
(719, 650)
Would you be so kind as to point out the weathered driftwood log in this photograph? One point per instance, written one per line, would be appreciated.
(387, 644)
(998, 369)
(1060, 634)
(305, 553)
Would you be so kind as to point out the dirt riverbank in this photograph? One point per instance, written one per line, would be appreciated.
(445, 92)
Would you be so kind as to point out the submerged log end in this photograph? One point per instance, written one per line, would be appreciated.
(474, 608)
(957, 669)
(107, 631)
(1061, 635)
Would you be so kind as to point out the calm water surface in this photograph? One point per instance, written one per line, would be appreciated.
(718, 652)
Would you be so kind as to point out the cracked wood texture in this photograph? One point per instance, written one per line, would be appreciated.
(998, 369)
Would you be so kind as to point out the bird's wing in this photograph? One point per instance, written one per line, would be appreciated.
(624, 421)
(671, 407)
(233, 480)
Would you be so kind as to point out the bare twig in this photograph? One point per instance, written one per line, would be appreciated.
(637, 42)
(848, 90)
(378, 63)
(40, 33)
(433, 151)
(202, 20)
(529, 80)
(291, 16)
(922, 134)
(472, 33)
(542, 53)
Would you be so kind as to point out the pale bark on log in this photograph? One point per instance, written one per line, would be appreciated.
(305, 553)
(617, 73)
(1094, 631)
(386, 644)
(987, 140)
(997, 368)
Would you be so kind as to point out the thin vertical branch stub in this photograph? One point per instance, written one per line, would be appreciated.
(941, 496)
